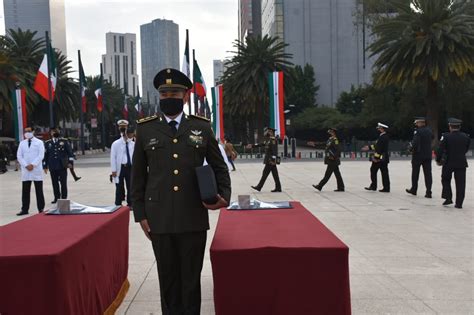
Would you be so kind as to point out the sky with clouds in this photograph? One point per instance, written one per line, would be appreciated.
(212, 24)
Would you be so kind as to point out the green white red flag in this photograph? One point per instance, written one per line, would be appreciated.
(199, 84)
(277, 115)
(98, 92)
(218, 111)
(82, 85)
(47, 65)
(19, 112)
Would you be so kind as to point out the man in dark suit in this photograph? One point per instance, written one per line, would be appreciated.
(332, 159)
(451, 154)
(57, 158)
(420, 148)
(380, 159)
(165, 192)
(270, 160)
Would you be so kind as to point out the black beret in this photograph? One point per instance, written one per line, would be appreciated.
(171, 79)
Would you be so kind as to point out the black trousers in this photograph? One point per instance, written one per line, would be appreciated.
(266, 171)
(59, 177)
(229, 158)
(180, 258)
(383, 167)
(460, 180)
(415, 174)
(332, 168)
(124, 177)
(25, 195)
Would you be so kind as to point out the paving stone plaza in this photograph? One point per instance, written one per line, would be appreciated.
(408, 254)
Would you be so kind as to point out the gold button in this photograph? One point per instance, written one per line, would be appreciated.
(175, 140)
(153, 148)
(149, 198)
(197, 146)
(176, 172)
(175, 188)
(175, 156)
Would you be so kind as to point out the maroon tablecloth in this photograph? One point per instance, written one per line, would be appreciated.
(63, 264)
(278, 262)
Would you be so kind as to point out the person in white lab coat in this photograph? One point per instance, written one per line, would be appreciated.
(30, 155)
(121, 162)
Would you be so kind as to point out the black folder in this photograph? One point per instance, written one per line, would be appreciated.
(207, 184)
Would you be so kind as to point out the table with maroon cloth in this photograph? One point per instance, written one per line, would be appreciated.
(282, 261)
(64, 264)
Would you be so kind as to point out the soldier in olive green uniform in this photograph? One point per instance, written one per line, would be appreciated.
(332, 159)
(270, 160)
(165, 192)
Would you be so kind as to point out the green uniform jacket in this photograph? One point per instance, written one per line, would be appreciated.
(271, 150)
(164, 186)
(332, 151)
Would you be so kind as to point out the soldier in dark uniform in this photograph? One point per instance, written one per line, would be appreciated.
(270, 159)
(380, 159)
(165, 193)
(420, 147)
(58, 158)
(332, 159)
(451, 154)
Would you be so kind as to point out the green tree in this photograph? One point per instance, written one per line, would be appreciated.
(246, 77)
(426, 41)
(301, 89)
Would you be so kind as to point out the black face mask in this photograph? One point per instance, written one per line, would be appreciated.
(122, 130)
(56, 134)
(171, 106)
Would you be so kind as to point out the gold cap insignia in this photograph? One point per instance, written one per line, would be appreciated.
(169, 81)
(169, 70)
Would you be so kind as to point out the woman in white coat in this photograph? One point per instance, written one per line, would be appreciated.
(30, 155)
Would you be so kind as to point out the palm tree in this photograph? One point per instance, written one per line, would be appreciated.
(428, 41)
(246, 78)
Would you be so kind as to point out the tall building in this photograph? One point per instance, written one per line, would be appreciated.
(250, 18)
(218, 67)
(120, 61)
(160, 49)
(39, 16)
(324, 34)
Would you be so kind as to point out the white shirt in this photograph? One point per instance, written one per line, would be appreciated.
(34, 155)
(118, 155)
(177, 119)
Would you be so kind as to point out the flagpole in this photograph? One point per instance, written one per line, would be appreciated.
(103, 109)
(194, 85)
(81, 109)
(189, 65)
(50, 92)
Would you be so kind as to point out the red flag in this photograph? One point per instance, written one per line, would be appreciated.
(125, 110)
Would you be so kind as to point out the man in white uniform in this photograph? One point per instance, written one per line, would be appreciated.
(121, 163)
(30, 155)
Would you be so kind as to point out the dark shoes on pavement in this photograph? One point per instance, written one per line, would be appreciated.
(276, 190)
(447, 202)
(77, 178)
(340, 189)
(411, 191)
(54, 201)
(318, 187)
(384, 190)
(428, 195)
(256, 188)
(22, 213)
(370, 188)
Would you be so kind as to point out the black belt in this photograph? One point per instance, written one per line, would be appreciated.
(125, 165)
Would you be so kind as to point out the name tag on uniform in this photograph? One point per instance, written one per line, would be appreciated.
(153, 141)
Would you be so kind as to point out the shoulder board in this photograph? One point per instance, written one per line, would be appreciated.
(199, 117)
(147, 119)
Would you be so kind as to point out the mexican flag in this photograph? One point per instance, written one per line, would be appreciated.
(125, 108)
(277, 115)
(198, 79)
(82, 84)
(41, 81)
(98, 92)
(185, 67)
(138, 104)
(19, 112)
(218, 111)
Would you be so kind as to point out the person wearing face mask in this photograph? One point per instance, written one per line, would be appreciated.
(30, 156)
(270, 160)
(165, 192)
(58, 158)
(332, 159)
(121, 155)
(380, 159)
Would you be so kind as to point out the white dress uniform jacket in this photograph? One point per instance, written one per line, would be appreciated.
(118, 155)
(33, 155)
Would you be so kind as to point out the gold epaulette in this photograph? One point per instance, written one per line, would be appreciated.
(147, 119)
(199, 117)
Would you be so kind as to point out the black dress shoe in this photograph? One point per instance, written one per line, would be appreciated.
(40, 211)
(447, 202)
(339, 189)
(428, 195)
(276, 190)
(411, 192)
(256, 188)
(22, 213)
(318, 187)
(77, 178)
(54, 201)
(370, 188)
(458, 206)
(384, 190)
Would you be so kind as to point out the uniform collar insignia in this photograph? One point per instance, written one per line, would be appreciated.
(196, 132)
